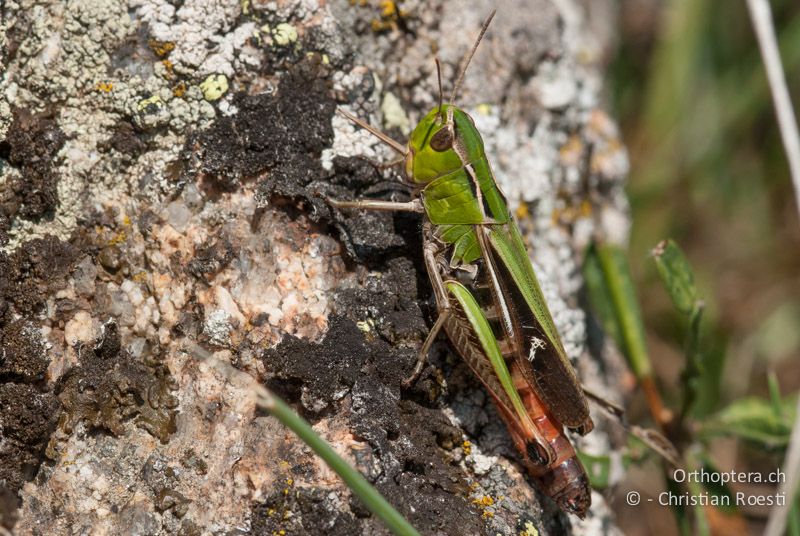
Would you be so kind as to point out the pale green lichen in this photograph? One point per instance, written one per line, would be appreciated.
(284, 34)
(214, 87)
(393, 114)
(530, 530)
(149, 103)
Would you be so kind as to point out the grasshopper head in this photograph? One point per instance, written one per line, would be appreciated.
(431, 151)
(432, 146)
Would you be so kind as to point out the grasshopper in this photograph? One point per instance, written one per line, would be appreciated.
(488, 298)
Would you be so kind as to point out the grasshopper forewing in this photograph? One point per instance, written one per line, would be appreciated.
(488, 297)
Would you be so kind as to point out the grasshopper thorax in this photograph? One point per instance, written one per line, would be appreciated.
(445, 140)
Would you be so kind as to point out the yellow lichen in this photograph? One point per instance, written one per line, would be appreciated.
(522, 211)
(214, 86)
(467, 447)
(105, 87)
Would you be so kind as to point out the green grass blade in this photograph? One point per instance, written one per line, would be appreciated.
(775, 394)
(614, 286)
(701, 523)
(354, 480)
(612, 295)
(794, 520)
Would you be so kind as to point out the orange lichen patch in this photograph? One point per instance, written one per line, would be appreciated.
(104, 87)
(609, 158)
(390, 18)
(168, 67)
(179, 90)
(522, 211)
(570, 214)
(466, 446)
(572, 151)
(485, 502)
(118, 238)
(388, 8)
(601, 125)
(605, 160)
(139, 277)
(161, 48)
(585, 208)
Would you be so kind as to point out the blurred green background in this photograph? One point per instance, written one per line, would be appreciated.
(708, 170)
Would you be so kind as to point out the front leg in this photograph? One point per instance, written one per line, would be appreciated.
(442, 307)
(371, 204)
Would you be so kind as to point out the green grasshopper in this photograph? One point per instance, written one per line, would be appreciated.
(487, 294)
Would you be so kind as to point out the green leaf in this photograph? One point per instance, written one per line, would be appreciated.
(678, 278)
(754, 420)
(599, 468)
(677, 275)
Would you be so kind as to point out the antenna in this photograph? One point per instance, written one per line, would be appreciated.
(397, 146)
(469, 58)
(439, 76)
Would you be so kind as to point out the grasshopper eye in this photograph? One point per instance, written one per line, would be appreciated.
(442, 140)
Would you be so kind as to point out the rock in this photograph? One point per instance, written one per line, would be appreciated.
(164, 168)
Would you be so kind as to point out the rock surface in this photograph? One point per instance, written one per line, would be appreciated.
(162, 169)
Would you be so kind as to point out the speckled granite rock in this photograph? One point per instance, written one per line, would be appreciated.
(162, 168)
